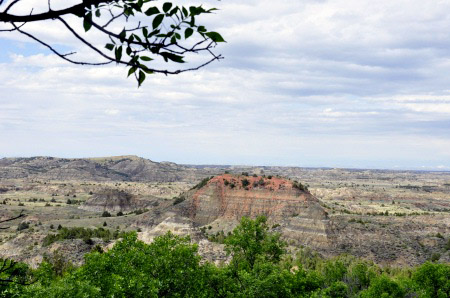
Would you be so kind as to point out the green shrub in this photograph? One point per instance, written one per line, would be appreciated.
(178, 200)
(81, 233)
(202, 183)
(140, 211)
(23, 226)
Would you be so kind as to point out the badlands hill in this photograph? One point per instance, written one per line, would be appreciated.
(118, 168)
(114, 201)
(217, 204)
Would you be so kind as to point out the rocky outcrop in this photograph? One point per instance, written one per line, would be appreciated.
(181, 226)
(227, 198)
(112, 200)
(231, 197)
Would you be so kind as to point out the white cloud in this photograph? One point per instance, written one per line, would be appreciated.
(304, 82)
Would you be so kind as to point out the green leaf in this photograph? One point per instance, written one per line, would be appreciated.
(145, 58)
(167, 6)
(157, 21)
(141, 77)
(153, 33)
(188, 32)
(152, 10)
(140, 3)
(87, 22)
(146, 69)
(132, 70)
(145, 32)
(216, 37)
(109, 46)
(97, 13)
(174, 11)
(185, 12)
(136, 7)
(137, 37)
(118, 53)
(128, 11)
(201, 29)
(170, 56)
(122, 35)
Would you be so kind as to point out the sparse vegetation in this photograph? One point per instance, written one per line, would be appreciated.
(106, 214)
(140, 211)
(245, 182)
(299, 186)
(178, 200)
(203, 183)
(23, 226)
(81, 233)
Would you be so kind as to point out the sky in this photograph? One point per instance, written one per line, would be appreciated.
(339, 83)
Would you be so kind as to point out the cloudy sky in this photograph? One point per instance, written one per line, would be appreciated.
(339, 83)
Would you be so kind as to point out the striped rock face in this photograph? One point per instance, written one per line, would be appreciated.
(227, 198)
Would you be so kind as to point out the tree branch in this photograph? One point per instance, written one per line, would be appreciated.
(88, 44)
(63, 56)
(51, 14)
(13, 218)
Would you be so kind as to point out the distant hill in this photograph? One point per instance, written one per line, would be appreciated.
(117, 168)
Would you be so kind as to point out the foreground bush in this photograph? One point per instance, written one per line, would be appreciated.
(171, 267)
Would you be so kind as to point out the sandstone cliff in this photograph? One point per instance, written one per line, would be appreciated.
(225, 199)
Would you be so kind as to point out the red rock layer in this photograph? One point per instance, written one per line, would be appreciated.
(276, 198)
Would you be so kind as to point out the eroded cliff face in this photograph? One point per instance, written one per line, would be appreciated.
(231, 197)
(112, 200)
(225, 199)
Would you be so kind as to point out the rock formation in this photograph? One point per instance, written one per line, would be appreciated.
(225, 199)
(112, 200)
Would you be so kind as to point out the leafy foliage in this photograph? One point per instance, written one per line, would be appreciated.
(259, 267)
(81, 233)
(139, 32)
(251, 241)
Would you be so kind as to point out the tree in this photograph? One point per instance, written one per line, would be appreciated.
(168, 267)
(433, 280)
(251, 240)
(148, 32)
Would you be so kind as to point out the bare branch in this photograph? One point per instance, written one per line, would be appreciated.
(8, 30)
(112, 34)
(10, 5)
(63, 56)
(89, 44)
(13, 218)
(113, 18)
